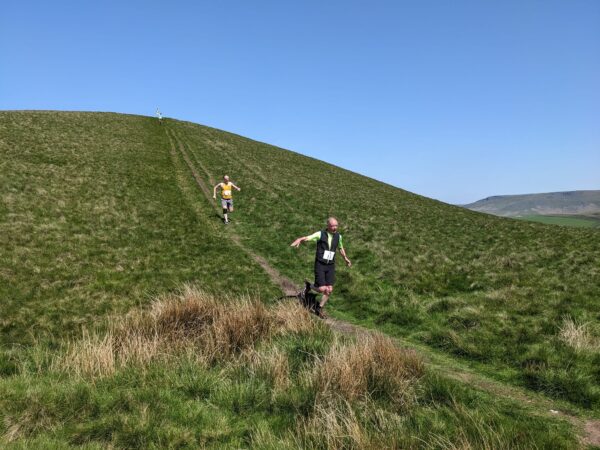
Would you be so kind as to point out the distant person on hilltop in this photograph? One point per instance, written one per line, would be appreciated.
(226, 197)
(159, 115)
(328, 241)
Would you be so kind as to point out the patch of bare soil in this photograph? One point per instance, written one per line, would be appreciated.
(592, 433)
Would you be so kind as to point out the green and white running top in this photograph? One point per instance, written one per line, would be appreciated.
(316, 236)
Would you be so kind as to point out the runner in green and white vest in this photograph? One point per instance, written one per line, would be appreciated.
(328, 242)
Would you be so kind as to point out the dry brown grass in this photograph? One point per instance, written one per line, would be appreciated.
(578, 336)
(291, 317)
(92, 356)
(345, 380)
(192, 321)
(374, 367)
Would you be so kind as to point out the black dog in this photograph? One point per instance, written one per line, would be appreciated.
(307, 298)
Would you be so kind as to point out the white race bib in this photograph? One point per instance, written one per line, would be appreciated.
(328, 255)
(227, 193)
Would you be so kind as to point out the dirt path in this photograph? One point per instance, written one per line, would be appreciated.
(592, 433)
(539, 405)
(286, 285)
(589, 429)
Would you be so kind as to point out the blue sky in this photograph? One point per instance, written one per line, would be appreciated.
(454, 100)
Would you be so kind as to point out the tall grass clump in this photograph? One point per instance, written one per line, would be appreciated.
(350, 385)
(375, 367)
(579, 336)
(193, 322)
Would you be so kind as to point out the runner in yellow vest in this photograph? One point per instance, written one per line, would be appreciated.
(226, 197)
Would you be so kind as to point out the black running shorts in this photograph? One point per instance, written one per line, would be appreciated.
(324, 274)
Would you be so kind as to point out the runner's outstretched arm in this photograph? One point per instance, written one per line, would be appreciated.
(343, 253)
(215, 190)
(312, 237)
(299, 241)
(236, 187)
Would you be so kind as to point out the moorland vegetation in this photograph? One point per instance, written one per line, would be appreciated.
(102, 223)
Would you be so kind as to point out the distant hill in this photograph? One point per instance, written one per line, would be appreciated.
(552, 203)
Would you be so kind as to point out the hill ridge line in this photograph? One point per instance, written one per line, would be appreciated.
(589, 429)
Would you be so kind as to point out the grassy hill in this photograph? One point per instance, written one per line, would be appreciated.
(549, 204)
(94, 220)
(486, 289)
(100, 215)
(591, 221)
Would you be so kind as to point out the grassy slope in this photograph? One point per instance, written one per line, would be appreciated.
(570, 221)
(489, 290)
(92, 221)
(280, 380)
(97, 216)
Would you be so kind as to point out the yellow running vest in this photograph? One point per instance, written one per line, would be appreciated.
(226, 190)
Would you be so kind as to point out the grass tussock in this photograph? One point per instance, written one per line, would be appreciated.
(194, 322)
(579, 336)
(372, 368)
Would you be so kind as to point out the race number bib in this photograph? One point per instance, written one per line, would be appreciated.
(227, 192)
(328, 255)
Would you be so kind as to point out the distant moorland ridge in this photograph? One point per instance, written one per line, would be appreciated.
(571, 202)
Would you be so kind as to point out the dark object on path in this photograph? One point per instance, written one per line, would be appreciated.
(307, 298)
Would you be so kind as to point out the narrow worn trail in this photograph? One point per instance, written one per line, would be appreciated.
(287, 286)
(536, 403)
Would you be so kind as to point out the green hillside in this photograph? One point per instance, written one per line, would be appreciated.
(591, 221)
(93, 221)
(492, 291)
(102, 214)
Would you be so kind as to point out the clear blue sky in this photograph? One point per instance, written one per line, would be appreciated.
(455, 100)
